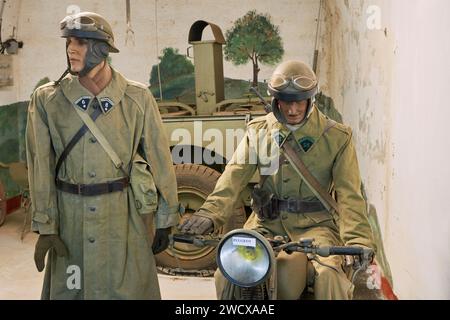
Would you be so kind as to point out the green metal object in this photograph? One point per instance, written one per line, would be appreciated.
(12, 143)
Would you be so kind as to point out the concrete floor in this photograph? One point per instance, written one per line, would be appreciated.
(20, 280)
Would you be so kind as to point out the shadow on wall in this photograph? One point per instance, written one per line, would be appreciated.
(381, 256)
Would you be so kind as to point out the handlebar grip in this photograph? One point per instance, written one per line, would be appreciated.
(183, 238)
(351, 251)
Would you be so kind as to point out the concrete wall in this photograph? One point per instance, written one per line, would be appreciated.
(37, 23)
(390, 83)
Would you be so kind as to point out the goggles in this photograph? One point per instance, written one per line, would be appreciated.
(82, 27)
(280, 82)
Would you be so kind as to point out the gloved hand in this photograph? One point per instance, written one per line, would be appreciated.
(45, 243)
(197, 225)
(161, 240)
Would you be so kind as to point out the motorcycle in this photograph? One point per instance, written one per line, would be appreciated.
(248, 261)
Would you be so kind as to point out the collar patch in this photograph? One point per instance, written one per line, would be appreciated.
(83, 102)
(106, 104)
(279, 137)
(306, 143)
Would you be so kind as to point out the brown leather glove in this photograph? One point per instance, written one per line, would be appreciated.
(197, 225)
(44, 244)
(161, 240)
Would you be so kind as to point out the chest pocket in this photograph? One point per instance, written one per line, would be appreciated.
(143, 186)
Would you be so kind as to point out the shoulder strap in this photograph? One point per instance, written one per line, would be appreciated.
(309, 179)
(101, 139)
(80, 133)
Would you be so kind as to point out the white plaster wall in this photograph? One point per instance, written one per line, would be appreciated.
(391, 85)
(43, 52)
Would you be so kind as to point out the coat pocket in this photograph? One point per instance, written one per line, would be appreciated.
(143, 186)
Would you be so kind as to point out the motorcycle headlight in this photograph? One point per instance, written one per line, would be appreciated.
(245, 257)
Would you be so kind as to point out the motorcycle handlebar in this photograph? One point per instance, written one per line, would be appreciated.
(351, 251)
(324, 251)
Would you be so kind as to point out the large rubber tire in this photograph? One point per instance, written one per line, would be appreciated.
(195, 183)
(2, 204)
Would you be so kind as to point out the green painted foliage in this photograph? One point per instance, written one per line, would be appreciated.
(172, 65)
(42, 82)
(182, 89)
(253, 37)
(12, 141)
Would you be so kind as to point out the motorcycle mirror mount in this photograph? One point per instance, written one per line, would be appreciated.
(245, 258)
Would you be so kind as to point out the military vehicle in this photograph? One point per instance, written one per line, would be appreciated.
(212, 117)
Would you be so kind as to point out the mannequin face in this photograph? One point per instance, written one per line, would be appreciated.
(76, 50)
(293, 111)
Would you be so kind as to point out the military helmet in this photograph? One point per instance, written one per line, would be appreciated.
(88, 25)
(293, 81)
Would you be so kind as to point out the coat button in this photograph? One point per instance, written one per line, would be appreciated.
(92, 174)
(91, 239)
(92, 209)
(93, 140)
(286, 161)
(286, 197)
(286, 180)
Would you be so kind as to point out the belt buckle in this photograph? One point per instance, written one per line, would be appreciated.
(80, 188)
(291, 205)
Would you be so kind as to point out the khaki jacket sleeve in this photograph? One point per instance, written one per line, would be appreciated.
(353, 222)
(157, 151)
(41, 169)
(220, 203)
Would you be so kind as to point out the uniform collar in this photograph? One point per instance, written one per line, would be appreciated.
(311, 129)
(81, 98)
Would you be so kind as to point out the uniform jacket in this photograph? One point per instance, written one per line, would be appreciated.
(329, 154)
(105, 235)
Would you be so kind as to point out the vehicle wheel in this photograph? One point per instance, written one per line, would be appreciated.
(195, 183)
(2, 204)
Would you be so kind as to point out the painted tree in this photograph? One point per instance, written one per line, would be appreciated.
(254, 37)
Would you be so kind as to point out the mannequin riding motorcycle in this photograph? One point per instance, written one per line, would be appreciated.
(313, 191)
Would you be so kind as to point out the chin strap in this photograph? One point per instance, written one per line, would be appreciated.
(277, 112)
(96, 53)
(62, 76)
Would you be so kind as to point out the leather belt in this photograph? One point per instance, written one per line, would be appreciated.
(93, 189)
(299, 206)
